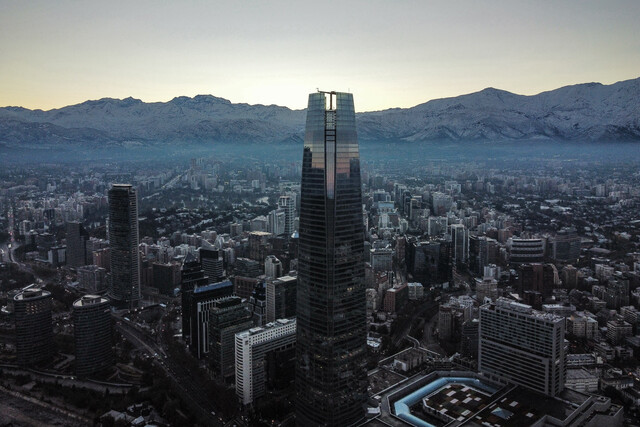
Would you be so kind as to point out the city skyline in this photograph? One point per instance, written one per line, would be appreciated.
(392, 55)
(444, 234)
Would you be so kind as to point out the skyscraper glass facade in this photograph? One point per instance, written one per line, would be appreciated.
(331, 382)
(123, 242)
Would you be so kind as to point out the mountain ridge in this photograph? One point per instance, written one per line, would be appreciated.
(581, 112)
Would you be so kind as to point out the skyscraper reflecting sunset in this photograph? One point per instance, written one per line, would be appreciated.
(331, 382)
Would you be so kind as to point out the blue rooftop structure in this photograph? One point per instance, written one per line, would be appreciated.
(213, 286)
(402, 406)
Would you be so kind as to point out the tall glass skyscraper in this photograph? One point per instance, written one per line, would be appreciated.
(124, 289)
(331, 380)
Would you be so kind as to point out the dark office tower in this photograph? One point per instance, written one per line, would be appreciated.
(76, 241)
(192, 277)
(197, 305)
(258, 305)
(124, 289)
(212, 263)
(331, 380)
(537, 277)
(226, 317)
(92, 332)
(281, 298)
(34, 331)
(566, 245)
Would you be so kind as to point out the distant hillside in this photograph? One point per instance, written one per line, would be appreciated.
(584, 112)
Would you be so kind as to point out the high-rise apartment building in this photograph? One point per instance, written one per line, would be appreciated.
(124, 289)
(287, 203)
(272, 267)
(260, 352)
(92, 334)
(331, 378)
(459, 244)
(34, 330)
(523, 346)
(277, 222)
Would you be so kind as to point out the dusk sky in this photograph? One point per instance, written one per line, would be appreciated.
(388, 53)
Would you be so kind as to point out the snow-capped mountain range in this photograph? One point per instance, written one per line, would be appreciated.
(583, 112)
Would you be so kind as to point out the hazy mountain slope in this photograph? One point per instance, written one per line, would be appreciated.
(589, 112)
(582, 112)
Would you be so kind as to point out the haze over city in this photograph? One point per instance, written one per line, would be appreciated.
(320, 214)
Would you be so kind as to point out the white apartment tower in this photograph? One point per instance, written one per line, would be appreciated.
(523, 346)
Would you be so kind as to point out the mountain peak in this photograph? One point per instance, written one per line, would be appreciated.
(583, 112)
(199, 99)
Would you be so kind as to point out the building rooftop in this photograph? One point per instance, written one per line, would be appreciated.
(271, 325)
(579, 374)
(507, 304)
(88, 300)
(31, 293)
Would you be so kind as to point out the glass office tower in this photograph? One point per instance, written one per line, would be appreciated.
(331, 380)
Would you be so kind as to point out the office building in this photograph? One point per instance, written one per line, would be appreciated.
(92, 334)
(469, 339)
(459, 244)
(416, 291)
(264, 357)
(34, 331)
(618, 330)
(526, 251)
(212, 262)
(166, 277)
(486, 288)
(258, 245)
(92, 278)
(395, 298)
(523, 346)
(277, 220)
(381, 259)
(582, 325)
(566, 246)
(281, 298)
(124, 289)
(272, 267)
(192, 277)
(258, 304)
(226, 317)
(196, 304)
(246, 267)
(76, 244)
(483, 251)
(331, 377)
(537, 277)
